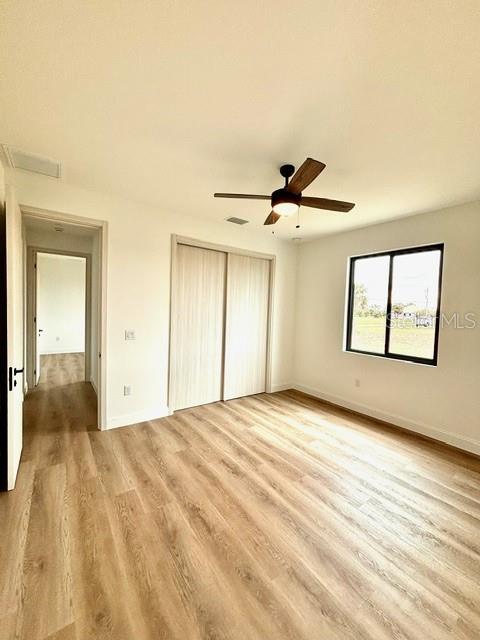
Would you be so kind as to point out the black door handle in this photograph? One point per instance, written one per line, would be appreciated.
(12, 372)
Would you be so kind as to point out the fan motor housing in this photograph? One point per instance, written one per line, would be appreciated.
(283, 195)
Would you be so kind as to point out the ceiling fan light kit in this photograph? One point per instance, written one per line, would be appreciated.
(286, 201)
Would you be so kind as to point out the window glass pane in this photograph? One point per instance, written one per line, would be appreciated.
(414, 304)
(370, 304)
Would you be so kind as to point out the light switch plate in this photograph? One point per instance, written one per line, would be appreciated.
(129, 334)
(127, 390)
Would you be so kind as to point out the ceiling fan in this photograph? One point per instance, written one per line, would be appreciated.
(287, 200)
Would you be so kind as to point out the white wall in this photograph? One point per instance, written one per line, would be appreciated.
(61, 303)
(443, 401)
(138, 289)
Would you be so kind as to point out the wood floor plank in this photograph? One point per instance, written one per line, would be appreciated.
(100, 593)
(47, 575)
(137, 555)
(14, 516)
(269, 517)
(232, 558)
(67, 633)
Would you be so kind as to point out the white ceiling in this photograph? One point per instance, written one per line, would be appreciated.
(68, 229)
(166, 102)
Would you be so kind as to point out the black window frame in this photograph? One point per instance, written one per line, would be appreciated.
(351, 285)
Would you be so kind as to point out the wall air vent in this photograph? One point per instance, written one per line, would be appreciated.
(236, 220)
(17, 159)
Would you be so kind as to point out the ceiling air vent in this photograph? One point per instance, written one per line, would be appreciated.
(17, 159)
(236, 220)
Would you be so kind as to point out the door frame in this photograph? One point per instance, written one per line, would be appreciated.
(101, 226)
(193, 242)
(32, 310)
(3, 350)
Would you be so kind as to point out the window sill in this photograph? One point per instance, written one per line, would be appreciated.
(390, 358)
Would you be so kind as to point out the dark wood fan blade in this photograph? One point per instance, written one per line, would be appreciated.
(246, 196)
(325, 203)
(272, 218)
(305, 175)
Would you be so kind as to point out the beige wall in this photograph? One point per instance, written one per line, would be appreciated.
(138, 289)
(442, 401)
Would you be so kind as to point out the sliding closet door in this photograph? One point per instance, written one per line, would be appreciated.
(199, 320)
(248, 282)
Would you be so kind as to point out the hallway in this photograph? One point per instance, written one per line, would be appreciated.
(58, 369)
(59, 415)
(60, 403)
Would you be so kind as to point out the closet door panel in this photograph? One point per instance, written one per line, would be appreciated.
(199, 318)
(248, 282)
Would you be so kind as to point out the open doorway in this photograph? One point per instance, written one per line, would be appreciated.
(74, 333)
(64, 320)
(61, 311)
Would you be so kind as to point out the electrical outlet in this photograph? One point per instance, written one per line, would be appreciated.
(357, 382)
(127, 390)
(129, 334)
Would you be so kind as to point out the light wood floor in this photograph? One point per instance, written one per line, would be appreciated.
(269, 517)
(60, 369)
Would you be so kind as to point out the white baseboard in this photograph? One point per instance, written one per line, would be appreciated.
(281, 387)
(92, 382)
(461, 442)
(60, 351)
(135, 418)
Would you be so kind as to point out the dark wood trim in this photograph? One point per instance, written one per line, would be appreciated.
(351, 298)
(351, 301)
(439, 297)
(3, 355)
(388, 323)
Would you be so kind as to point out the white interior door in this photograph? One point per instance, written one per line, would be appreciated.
(37, 359)
(14, 282)
(246, 331)
(198, 326)
(37, 324)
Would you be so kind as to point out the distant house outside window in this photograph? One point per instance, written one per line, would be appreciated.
(394, 304)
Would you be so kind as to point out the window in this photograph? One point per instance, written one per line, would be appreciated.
(394, 304)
